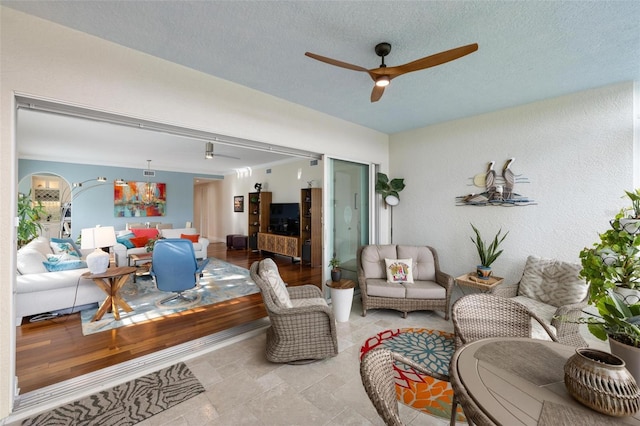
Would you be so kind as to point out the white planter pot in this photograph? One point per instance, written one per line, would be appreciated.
(341, 300)
(630, 295)
(630, 355)
(632, 226)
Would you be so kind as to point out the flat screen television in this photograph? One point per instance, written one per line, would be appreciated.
(284, 219)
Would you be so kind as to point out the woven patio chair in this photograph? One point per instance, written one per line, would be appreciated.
(553, 290)
(377, 374)
(480, 316)
(302, 324)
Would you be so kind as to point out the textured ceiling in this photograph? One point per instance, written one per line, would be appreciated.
(528, 50)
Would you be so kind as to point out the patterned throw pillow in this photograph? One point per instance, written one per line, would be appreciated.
(64, 245)
(269, 273)
(65, 266)
(399, 270)
(552, 281)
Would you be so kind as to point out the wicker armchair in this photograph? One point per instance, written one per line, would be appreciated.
(376, 371)
(553, 290)
(480, 316)
(303, 331)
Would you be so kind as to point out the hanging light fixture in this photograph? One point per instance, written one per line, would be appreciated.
(147, 195)
(208, 150)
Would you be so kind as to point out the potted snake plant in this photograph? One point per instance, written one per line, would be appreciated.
(488, 253)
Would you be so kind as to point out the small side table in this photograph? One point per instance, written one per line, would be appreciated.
(341, 298)
(471, 281)
(141, 269)
(111, 282)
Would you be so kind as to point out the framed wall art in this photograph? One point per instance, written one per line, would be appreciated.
(238, 203)
(140, 199)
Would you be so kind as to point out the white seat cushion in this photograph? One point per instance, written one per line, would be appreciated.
(382, 288)
(544, 311)
(425, 290)
(314, 301)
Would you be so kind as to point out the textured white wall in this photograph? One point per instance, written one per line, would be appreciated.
(46, 60)
(576, 150)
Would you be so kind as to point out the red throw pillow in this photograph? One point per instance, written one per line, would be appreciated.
(145, 232)
(139, 241)
(191, 237)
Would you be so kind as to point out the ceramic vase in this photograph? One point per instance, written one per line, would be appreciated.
(601, 381)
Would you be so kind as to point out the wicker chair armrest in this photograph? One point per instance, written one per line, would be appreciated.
(307, 291)
(419, 367)
(544, 325)
(445, 280)
(505, 290)
(566, 320)
(281, 311)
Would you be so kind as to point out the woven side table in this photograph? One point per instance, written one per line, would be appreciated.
(471, 281)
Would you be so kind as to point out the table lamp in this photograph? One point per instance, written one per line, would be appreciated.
(97, 238)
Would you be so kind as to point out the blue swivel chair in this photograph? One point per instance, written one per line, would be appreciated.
(174, 267)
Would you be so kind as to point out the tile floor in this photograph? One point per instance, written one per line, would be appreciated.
(243, 388)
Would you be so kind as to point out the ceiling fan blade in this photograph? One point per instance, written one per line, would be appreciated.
(376, 93)
(427, 62)
(336, 62)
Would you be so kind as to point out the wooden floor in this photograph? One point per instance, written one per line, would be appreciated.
(51, 351)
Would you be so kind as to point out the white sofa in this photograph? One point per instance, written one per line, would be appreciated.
(122, 253)
(40, 291)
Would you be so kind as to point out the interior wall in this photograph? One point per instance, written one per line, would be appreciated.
(96, 207)
(45, 60)
(576, 151)
(282, 181)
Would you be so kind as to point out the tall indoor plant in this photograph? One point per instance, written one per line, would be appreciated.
(611, 268)
(488, 252)
(29, 215)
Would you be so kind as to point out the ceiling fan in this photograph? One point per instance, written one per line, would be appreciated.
(208, 152)
(383, 75)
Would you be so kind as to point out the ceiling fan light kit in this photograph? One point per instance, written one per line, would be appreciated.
(383, 75)
(382, 81)
(208, 150)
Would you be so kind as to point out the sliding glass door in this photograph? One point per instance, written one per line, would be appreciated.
(349, 216)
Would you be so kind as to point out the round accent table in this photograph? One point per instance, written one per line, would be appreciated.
(110, 282)
(341, 298)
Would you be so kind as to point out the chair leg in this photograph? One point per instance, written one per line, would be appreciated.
(454, 406)
(179, 295)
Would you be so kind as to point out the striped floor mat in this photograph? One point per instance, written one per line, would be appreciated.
(128, 403)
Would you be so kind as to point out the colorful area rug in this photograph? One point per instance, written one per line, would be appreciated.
(221, 281)
(126, 404)
(432, 348)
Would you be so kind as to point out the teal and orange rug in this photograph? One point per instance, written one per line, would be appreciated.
(432, 348)
(221, 281)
